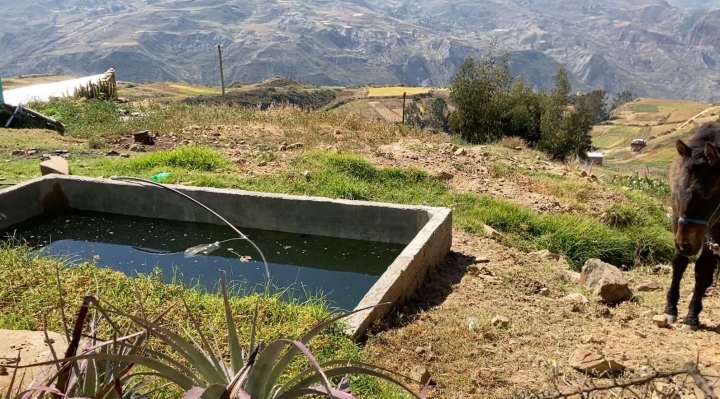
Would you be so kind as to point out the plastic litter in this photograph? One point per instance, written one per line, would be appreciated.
(159, 176)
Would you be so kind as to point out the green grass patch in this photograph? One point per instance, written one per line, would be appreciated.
(33, 294)
(642, 238)
(639, 107)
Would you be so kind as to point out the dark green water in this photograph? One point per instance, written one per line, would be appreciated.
(340, 269)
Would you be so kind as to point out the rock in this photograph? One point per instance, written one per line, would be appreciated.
(647, 286)
(262, 163)
(18, 152)
(57, 165)
(663, 390)
(490, 232)
(124, 155)
(460, 151)
(547, 255)
(143, 136)
(481, 259)
(576, 297)
(477, 271)
(518, 148)
(294, 145)
(572, 276)
(606, 281)
(592, 363)
(419, 350)
(136, 148)
(31, 152)
(500, 321)
(113, 153)
(420, 374)
(590, 339)
(583, 174)
(444, 176)
(306, 173)
(660, 320)
(544, 291)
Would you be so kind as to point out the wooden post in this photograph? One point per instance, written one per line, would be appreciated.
(403, 115)
(222, 77)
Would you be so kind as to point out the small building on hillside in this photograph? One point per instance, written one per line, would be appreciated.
(595, 158)
(637, 145)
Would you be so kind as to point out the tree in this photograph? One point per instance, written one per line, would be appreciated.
(438, 114)
(595, 101)
(479, 93)
(414, 114)
(622, 99)
(564, 132)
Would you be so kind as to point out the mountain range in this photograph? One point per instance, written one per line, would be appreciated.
(650, 47)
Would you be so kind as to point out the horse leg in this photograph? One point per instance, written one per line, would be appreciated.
(704, 271)
(679, 265)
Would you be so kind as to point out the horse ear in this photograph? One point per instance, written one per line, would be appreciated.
(682, 148)
(711, 153)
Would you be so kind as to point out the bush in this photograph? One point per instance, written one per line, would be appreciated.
(489, 106)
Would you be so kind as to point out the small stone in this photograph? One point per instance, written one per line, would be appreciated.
(647, 286)
(262, 163)
(306, 173)
(640, 334)
(518, 148)
(500, 321)
(136, 148)
(419, 350)
(592, 363)
(18, 152)
(56, 165)
(544, 291)
(583, 174)
(490, 232)
(420, 374)
(547, 255)
(572, 276)
(444, 176)
(124, 155)
(460, 151)
(113, 153)
(482, 259)
(576, 297)
(660, 320)
(294, 145)
(590, 339)
(31, 152)
(606, 280)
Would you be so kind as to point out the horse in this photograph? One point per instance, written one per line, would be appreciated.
(695, 202)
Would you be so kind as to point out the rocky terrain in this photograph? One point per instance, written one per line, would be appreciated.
(648, 47)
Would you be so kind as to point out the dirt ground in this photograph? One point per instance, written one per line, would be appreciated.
(544, 330)
(447, 329)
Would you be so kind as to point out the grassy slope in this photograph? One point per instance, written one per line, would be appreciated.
(660, 122)
(631, 232)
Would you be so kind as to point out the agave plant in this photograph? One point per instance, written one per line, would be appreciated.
(101, 369)
(254, 373)
(104, 370)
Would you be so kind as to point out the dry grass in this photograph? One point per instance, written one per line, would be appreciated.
(394, 91)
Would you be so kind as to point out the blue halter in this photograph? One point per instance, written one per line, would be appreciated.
(706, 223)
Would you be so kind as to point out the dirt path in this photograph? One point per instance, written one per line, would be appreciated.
(696, 116)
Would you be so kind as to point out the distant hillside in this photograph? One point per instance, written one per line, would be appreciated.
(646, 46)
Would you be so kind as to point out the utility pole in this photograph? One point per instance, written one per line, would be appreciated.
(222, 77)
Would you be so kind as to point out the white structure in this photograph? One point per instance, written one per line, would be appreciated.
(43, 92)
(595, 158)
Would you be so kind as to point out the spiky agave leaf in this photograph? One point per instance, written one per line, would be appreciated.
(270, 366)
